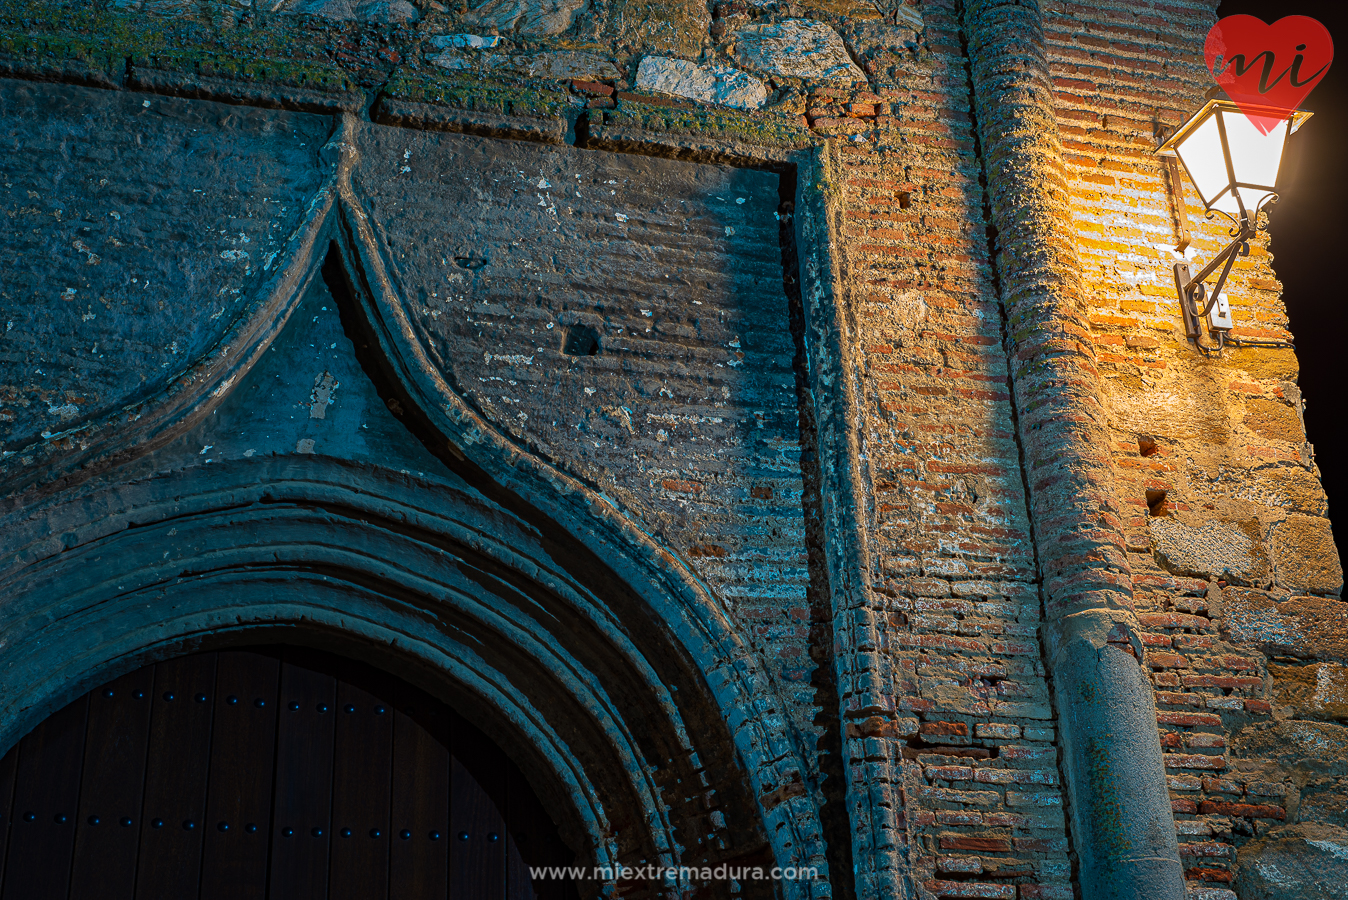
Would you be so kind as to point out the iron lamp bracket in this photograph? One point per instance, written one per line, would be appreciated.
(1193, 292)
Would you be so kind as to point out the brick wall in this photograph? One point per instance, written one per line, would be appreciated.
(627, 320)
(1210, 455)
(971, 738)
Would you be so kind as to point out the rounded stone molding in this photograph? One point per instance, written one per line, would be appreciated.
(613, 724)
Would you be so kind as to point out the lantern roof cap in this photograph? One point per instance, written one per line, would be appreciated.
(1298, 117)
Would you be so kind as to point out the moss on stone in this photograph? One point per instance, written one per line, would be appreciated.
(49, 36)
(483, 96)
(765, 130)
(290, 51)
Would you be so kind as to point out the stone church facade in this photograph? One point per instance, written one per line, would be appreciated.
(770, 422)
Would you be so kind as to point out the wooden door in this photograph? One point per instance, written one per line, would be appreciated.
(267, 774)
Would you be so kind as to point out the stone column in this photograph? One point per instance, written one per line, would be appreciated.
(1122, 826)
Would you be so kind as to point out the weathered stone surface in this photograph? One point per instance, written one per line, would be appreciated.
(1274, 420)
(663, 27)
(559, 65)
(1306, 627)
(105, 296)
(1324, 798)
(465, 41)
(1214, 550)
(1295, 862)
(864, 39)
(797, 48)
(1304, 557)
(157, 7)
(1289, 487)
(904, 13)
(722, 85)
(525, 17)
(1296, 744)
(1171, 404)
(568, 64)
(383, 11)
(1316, 691)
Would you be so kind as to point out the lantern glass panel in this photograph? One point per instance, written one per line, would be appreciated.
(1250, 150)
(1201, 152)
(1255, 156)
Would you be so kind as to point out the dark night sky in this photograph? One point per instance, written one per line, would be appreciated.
(1310, 257)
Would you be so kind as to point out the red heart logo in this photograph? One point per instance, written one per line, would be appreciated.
(1276, 65)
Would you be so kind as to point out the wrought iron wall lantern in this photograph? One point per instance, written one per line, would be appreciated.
(1232, 155)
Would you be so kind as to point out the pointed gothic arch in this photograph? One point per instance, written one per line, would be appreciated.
(691, 696)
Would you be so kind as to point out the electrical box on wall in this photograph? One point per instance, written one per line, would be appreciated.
(1219, 317)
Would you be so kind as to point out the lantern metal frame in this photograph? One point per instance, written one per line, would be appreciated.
(1191, 288)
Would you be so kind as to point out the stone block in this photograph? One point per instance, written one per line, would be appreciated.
(1209, 893)
(526, 18)
(721, 85)
(1274, 420)
(465, 41)
(1305, 627)
(1317, 691)
(1177, 406)
(1324, 800)
(797, 48)
(560, 65)
(1304, 555)
(663, 27)
(1215, 549)
(1295, 744)
(1291, 488)
(1297, 862)
(380, 11)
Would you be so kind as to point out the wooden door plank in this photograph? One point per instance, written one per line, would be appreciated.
(477, 855)
(362, 769)
(533, 842)
(46, 798)
(302, 804)
(9, 765)
(418, 852)
(243, 753)
(520, 838)
(173, 815)
(107, 829)
(519, 884)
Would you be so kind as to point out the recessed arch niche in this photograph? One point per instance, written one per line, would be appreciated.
(421, 577)
(415, 536)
